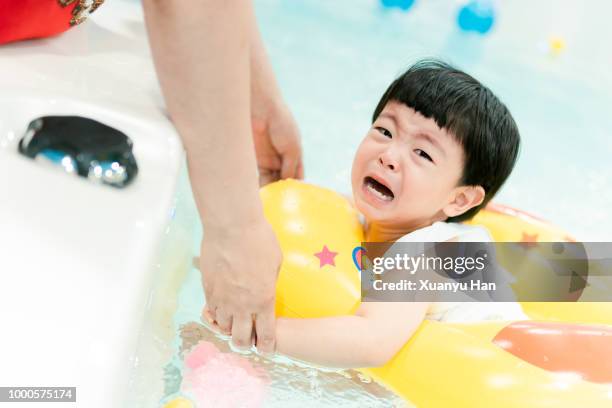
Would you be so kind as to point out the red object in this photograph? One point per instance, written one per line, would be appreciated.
(561, 347)
(26, 19)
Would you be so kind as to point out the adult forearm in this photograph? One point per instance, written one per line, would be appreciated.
(201, 53)
(265, 93)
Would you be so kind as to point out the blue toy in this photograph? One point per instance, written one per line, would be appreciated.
(401, 4)
(477, 15)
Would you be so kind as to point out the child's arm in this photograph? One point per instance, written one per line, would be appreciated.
(369, 338)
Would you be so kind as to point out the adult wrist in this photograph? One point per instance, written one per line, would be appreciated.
(233, 221)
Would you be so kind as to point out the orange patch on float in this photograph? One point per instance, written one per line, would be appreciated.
(529, 240)
(560, 347)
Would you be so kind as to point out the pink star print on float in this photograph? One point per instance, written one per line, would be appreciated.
(326, 257)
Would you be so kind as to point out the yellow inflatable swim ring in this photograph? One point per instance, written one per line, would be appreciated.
(548, 363)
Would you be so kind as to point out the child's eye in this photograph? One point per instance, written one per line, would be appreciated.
(384, 131)
(423, 154)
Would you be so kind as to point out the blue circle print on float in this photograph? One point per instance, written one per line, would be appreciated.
(401, 4)
(477, 15)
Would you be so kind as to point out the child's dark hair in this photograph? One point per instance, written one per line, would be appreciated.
(479, 121)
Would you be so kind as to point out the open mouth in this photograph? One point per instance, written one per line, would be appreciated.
(378, 189)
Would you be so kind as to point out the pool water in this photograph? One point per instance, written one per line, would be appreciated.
(281, 382)
(334, 60)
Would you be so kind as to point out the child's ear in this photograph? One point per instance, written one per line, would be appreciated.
(464, 198)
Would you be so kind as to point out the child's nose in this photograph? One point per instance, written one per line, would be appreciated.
(386, 159)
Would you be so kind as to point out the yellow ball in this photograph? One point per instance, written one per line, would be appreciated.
(179, 402)
(556, 45)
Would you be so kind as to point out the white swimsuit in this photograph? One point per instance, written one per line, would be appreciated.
(463, 311)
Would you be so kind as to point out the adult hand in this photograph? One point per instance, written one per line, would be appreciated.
(275, 133)
(239, 297)
(277, 143)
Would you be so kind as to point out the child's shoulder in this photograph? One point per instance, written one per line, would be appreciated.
(444, 231)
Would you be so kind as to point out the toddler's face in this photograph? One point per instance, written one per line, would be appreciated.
(406, 169)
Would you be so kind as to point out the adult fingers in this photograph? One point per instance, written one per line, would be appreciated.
(265, 326)
(224, 321)
(208, 314)
(291, 160)
(207, 286)
(242, 329)
(300, 170)
(268, 176)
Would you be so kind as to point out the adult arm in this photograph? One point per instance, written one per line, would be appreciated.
(201, 53)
